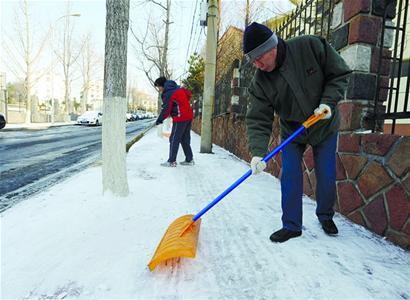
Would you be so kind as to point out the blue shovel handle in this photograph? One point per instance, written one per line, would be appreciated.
(309, 122)
(247, 174)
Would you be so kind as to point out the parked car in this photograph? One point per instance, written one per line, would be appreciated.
(129, 117)
(2, 121)
(90, 118)
(136, 118)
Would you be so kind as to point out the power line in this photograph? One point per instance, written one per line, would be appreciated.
(192, 27)
(199, 36)
(190, 36)
(196, 48)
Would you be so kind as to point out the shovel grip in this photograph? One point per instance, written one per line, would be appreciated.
(314, 118)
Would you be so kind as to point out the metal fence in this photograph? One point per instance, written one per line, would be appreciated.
(223, 92)
(393, 83)
(311, 17)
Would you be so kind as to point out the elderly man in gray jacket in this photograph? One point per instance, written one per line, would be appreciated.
(295, 79)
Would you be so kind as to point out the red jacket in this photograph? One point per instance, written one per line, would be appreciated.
(175, 103)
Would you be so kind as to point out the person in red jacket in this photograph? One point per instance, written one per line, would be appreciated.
(175, 103)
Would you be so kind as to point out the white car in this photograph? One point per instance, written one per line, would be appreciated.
(90, 118)
(2, 121)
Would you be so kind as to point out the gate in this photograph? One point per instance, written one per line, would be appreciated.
(393, 84)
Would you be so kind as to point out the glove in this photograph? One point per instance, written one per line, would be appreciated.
(257, 165)
(158, 122)
(321, 109)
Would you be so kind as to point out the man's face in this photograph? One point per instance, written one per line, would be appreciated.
(160, 89)
(267, 61)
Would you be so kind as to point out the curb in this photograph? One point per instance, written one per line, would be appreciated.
(33, 127)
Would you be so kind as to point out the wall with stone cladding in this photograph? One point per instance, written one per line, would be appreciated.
(372, 183)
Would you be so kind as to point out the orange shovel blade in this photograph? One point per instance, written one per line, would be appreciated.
(180, 239)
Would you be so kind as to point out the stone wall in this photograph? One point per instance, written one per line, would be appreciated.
(373, 183)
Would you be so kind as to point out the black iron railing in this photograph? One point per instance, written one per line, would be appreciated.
(311, 17)
(393, 82)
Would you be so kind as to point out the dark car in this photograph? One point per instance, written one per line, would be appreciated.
(2, 121)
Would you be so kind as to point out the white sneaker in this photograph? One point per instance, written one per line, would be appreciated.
(187, 163)
(169, 164)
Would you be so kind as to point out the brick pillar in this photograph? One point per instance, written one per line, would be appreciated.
(356, 34)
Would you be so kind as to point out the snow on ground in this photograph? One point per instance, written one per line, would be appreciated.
(70, 242)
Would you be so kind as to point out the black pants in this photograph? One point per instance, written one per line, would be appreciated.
(180, 134)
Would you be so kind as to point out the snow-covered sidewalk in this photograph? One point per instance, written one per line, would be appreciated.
(70, 242)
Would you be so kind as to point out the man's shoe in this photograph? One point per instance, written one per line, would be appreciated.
(329, 226)
(187, 163)
(169, 164)
(283, 235)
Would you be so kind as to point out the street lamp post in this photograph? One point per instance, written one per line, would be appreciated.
(52, 68)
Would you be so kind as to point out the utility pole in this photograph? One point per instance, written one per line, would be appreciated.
(247, 13)
(209, 81)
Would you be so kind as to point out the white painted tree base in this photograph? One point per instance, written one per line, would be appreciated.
(114, 169)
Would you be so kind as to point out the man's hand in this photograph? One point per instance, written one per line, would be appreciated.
(257, 165)
(323, 108)
(158, 122)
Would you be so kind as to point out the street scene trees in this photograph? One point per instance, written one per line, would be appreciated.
(67, 55)
(152, 44)
(71, 78)
(57, 58)
(23, 51)
(90, 67)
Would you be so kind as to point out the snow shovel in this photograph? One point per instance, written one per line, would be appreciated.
(181, 237)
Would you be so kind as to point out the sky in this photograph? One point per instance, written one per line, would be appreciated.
(66, 243)
(186, 34)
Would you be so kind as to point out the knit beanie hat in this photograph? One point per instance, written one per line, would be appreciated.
(257, 40)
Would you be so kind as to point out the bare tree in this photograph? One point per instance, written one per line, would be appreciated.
(152, 46)
(114, 169)
(68, 57)
(90, 65)
(240, 13)
(21, 58)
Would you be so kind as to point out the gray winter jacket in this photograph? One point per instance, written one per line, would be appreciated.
(312, 73)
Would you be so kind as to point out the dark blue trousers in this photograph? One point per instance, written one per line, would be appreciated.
(180, 134)
(292, 182)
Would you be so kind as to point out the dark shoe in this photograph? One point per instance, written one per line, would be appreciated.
(283, 235)
(187, 163)
(329, 226)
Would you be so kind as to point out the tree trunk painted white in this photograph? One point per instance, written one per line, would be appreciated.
(114, 170)
(113, 146)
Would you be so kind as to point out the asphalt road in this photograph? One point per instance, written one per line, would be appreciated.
(32, 160)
